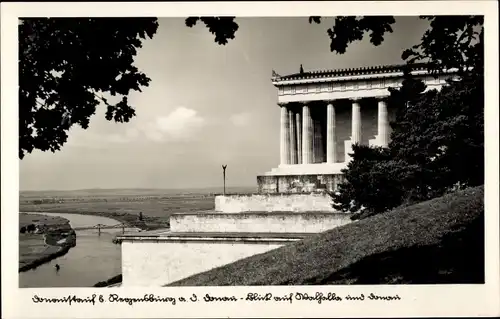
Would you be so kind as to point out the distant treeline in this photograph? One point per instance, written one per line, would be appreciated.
(111, 199)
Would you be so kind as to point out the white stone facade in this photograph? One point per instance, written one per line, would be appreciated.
(157, 262)
(273, 203)
(310, 101)
(322, 115)
(251, 222)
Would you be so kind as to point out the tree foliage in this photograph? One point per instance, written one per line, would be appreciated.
(224, 28)
(349, 29)
(345, 30)
(30, 228)
(450, 41)
(363, 179)
(65, 67)
(437, 142)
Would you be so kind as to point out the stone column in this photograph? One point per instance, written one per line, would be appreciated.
(318, 149)
(298, 128)
(383, 124)
(293, 140)
(356, 123)
(307, 135)
(284, 136)
(331, 141)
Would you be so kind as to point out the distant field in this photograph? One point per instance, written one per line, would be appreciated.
(26, 219)
(97, 192)
(153, 207)
(152, 203)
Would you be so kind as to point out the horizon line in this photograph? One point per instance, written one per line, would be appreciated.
(130, 188)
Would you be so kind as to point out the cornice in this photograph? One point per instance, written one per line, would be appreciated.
(349, 71)
(362, 73)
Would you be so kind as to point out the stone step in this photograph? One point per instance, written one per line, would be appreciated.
(274, 203)
(257, 222)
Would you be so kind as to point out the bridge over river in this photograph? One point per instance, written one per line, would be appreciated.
(95, 257)
(102, 226)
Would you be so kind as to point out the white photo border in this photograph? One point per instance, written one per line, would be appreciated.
(417, 300)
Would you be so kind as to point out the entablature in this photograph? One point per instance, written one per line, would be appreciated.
(374, 87)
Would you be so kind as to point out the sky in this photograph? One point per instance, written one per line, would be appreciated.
(206, 105)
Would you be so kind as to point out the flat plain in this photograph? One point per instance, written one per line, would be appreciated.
(125, 205)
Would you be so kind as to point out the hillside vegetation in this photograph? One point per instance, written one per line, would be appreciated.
(437, 241)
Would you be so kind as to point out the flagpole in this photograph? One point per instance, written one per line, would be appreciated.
(224, 178)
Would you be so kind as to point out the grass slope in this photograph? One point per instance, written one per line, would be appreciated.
(438, 241)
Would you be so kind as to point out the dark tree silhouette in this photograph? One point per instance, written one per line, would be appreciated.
(65, 66)
(344, 31)
(437, 142)
(224, 28)
(450, 41)
(30, 228)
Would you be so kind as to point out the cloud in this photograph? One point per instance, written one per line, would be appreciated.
(180, 124)
(240, 119)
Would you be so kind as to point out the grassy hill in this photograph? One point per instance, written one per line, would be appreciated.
(438, 241)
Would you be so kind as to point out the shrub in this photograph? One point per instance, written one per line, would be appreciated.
(437, 145)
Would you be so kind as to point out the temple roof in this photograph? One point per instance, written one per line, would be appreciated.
(346, 72)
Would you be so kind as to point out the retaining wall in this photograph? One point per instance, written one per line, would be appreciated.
(274, 203)
(161, 261)
(276, 222)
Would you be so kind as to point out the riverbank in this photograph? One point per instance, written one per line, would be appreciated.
(43, 238)
(32, 241)
(122, 205)
(130, 220)
(112, 281)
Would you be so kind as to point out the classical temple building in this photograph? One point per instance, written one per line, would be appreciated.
(323, 113)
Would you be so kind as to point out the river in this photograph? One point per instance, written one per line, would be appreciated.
(95, 258)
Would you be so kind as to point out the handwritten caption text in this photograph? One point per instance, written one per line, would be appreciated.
(113, 298)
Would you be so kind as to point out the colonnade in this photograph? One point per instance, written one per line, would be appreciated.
(297, 134)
